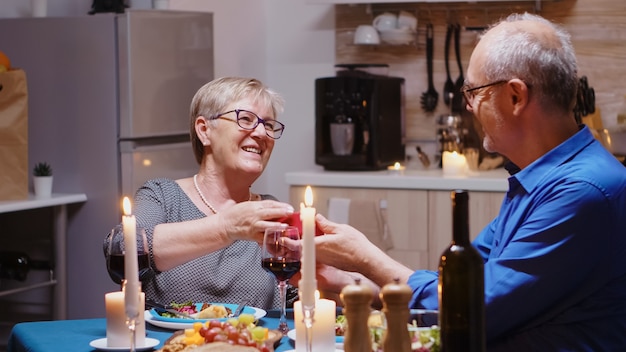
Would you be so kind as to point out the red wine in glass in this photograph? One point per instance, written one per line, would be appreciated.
(282, 250)
(115, 266)
(282, 268)
(114, 252)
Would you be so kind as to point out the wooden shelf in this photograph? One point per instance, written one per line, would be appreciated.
(537, 2)
(34, 203)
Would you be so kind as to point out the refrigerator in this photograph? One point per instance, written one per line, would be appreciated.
(108, 102)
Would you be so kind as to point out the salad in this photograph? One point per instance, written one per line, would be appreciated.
(423, 339)
(198, 311)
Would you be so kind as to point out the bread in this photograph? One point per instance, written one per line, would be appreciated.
(177, 345)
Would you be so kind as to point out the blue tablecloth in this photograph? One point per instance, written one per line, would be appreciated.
(75, 335)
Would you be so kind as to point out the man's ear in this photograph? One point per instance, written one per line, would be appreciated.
(519, 94)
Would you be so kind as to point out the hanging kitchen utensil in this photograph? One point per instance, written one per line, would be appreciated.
(430, 97)
(585, 100)
(448, 87)
(457, 100)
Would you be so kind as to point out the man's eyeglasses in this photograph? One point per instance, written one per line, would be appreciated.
(470, 92)
(249, 121)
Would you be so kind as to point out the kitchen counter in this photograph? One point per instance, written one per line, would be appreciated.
(433, 179)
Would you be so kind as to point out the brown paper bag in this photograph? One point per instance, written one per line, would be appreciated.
(13, 135)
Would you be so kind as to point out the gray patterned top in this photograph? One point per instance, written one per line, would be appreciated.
(226, 276)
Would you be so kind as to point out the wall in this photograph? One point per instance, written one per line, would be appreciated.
(290, 43)
(287, 52)
(598, 29)
(259, 38)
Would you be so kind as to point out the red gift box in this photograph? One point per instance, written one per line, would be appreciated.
(294, 220)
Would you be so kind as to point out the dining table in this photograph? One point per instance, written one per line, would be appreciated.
(76, 335)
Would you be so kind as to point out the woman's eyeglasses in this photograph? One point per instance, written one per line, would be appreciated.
(249, 121)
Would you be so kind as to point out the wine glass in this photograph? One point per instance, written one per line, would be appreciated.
(282, 250)
(114, 253)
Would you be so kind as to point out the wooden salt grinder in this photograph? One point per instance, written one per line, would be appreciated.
(357, 300)
(395, 298)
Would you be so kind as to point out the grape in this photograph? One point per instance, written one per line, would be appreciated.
(234, 332)
(214, 323)
(242, 341)
(220, 337)
(233, 335)
(245, 333)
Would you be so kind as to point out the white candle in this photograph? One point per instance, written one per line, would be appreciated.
(323, 329)
(453, 164)
(396, 169)
(117, 332)
(308, 282)
(131, 265)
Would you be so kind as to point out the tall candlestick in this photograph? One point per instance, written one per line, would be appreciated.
(131, 265)
(308, 283)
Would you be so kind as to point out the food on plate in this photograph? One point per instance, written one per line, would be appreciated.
(213, 311)
(223, 347)
(214, 335)
(340, 325)
(206, 310)
(423, 339)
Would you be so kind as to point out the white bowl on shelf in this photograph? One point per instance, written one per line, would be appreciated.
(398, 36)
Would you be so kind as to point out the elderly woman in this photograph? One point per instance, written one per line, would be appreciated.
(203, 231)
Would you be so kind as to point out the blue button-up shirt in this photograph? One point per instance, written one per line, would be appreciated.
(555, 256)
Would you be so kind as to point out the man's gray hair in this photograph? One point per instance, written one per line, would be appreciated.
(545, 62)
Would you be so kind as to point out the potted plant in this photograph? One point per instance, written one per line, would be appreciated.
(42, 180)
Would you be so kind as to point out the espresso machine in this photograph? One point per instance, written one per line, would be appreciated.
(359, 121)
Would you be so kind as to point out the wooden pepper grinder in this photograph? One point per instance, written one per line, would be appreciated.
(357, 301)
(395, 298)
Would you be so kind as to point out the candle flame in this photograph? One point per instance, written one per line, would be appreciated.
(308, 196)
(126, 206)
(396, 166)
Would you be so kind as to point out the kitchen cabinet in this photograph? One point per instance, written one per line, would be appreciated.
(419, 220)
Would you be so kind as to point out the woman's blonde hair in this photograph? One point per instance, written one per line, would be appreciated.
(212, 98)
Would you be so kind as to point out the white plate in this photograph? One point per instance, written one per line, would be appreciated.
(101, 344)
(231, 307)
(258, 314)
(338, 348)
(291, 334)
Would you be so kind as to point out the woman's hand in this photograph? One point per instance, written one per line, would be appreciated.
(248, 220)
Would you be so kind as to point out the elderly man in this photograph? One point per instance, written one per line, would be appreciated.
(555, 256)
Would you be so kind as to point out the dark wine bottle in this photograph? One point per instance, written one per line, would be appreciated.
(16, 265)
(461, 286)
